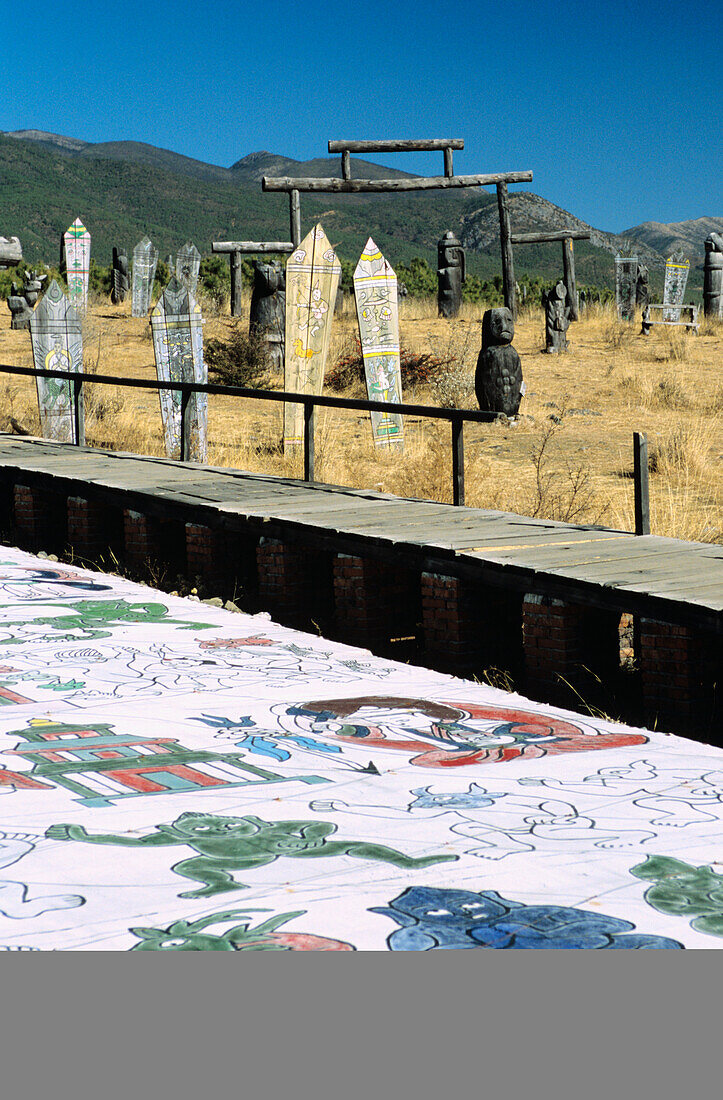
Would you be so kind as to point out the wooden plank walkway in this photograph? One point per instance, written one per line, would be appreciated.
(675, 581)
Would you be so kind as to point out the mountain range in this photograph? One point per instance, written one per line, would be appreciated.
(125, 189)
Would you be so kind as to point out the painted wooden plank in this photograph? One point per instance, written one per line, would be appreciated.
(176, 324)
(676, 277)
(57, 341)
(312, 280)
(188, 265)
(76, 240)
(375, 290)
(145, 259)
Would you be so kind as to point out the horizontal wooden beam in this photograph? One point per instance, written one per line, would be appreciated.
(252, 246)
(416, 183)
(557, 235)
(392, 146)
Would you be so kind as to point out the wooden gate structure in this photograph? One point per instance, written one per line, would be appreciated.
(294, 186)
(236, 250)
(567, 236)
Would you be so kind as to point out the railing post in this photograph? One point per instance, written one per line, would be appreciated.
(185, 399)
(78, 412)
(640, 478)
(457, 460)
(309, 440)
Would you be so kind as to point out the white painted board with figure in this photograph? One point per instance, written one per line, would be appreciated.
(676, 278)
(188, 265)
(313, 273)
(375, 290)
(176, 325)
(76, 241)
(57, 339)
(145, 260)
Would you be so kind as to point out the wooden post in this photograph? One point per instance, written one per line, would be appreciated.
(295, 216)
(308, 441)
(568, 277)
(457, 461)
(508, 267)
(236, 283)
(78, 413)
(448, 169)
(185, 449)
(346, 165)
(640, 477)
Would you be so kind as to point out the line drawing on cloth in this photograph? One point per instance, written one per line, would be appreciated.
(124, 671)
(93, 619)
(184, 935)
(102, 766)
(227, 844)
(42, 584)
(507, 823)
(432, 917)
(447, 734)
(677, 802)
(244, 731)
(14, 900)
(683, 890)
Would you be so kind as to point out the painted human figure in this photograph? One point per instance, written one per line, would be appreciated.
(121, 278)
(14, 902)
(498, 378)
(713, 276)
(450, 275)
(557, 319)
(227, 844)
(431, 917)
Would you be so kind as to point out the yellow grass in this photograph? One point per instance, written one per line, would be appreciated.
(610, 383)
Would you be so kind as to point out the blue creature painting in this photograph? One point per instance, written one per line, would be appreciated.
(430, 917)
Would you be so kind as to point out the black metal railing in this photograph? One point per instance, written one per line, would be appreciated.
(456, 417)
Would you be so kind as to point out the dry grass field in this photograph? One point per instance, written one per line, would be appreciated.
(569, 456)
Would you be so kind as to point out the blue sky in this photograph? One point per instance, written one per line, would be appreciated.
(615, 106)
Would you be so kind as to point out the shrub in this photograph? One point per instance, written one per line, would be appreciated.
(417, 369)
(242, 360)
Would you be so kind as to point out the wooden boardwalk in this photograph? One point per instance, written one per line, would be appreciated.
(663, 578)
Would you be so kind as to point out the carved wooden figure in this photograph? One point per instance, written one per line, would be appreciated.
(121, 283)
(312, 277)
(626, 279)
(450, 275)
(642, 288)
(498, 378)
(268, 307)
(375, 289)
(22, 301)
(557, 319)
(57, 341)
(713, 276)
(176, 326)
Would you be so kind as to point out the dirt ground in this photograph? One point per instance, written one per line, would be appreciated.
(568, 456)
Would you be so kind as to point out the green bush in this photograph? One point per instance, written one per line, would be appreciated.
(242, 360)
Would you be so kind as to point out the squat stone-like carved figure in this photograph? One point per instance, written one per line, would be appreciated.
(121, 279)
(557, 319)
(450, 275)
(498, 378)
(22, 302)
(713, 276)
(268, 307)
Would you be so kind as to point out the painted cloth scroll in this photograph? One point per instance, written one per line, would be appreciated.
(176, 325)
(177, 777)
(188, 264)
(375, 289)
(145, 259)
(676, 277)
(57, 340)
(77, 263)
(626, 278)
(313, 273)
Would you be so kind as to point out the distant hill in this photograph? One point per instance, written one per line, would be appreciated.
(686, 236)
(125, 189)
